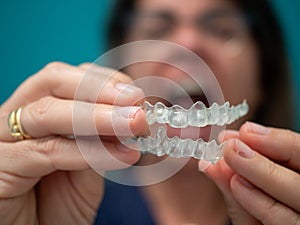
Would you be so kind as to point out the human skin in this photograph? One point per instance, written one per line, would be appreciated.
(237, 71)
(47, 174)
(259, 175)
(169, 201)
(46, 180)
(58, 191)
(234, 63)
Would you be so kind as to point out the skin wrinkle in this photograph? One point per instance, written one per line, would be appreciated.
(237, 72)
(262, 201)
(24, 207)
(8, 179)
(78, 202)
(69, 203)
(274, 174)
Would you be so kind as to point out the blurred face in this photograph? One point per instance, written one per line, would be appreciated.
(213, 29)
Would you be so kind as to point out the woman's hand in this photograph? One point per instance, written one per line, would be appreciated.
(259, 176)
(46, 180)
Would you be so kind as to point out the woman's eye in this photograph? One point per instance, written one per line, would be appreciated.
(153, 25)
(222, 32)
(155, 29)
(156, 32)
(223, 28)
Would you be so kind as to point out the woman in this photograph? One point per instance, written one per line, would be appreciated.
(44, 179)
(211, 29)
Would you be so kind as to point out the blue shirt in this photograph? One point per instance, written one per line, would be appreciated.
(123, 205)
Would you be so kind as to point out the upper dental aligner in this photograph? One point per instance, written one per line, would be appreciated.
(161, 145)
(198, 115)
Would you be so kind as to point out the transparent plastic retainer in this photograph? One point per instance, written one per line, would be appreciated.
(176, 116)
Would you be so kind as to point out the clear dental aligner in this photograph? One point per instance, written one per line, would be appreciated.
(161, 145)
(197, 116)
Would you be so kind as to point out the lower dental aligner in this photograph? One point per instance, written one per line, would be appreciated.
(198, 115)
(161, 145)
(176, 116)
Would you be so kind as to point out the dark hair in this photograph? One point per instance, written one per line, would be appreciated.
(277, 107)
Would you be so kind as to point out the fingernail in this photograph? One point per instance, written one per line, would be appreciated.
(244, 182)
(127, 112)
(127, 89)
(203, 165)
(227, 134)
(243, 150)
(257, 128)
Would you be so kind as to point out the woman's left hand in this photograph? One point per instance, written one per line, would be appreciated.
(259, 176)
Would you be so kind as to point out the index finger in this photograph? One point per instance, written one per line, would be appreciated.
(277, 144)
(68, 82)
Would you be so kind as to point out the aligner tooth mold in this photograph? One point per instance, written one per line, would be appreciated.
(175, 116)
(176, 147)
(197, 116)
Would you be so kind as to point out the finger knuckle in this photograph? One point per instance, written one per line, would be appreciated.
(294, 139)
(85, 65)
(42, 146)
(54, 66)
(50, 72)
(271, 208)
(272, 170)
(48, 148)
(39, 111)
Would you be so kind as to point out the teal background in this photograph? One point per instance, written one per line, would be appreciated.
(36, 32)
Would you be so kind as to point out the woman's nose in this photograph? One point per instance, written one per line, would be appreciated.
(187, 36)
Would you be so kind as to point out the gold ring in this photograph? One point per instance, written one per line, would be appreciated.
(15, 125)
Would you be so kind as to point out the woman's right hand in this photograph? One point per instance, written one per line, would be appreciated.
(45, 179)
(259, 176)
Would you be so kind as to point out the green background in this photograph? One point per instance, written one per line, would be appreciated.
(36, 32)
